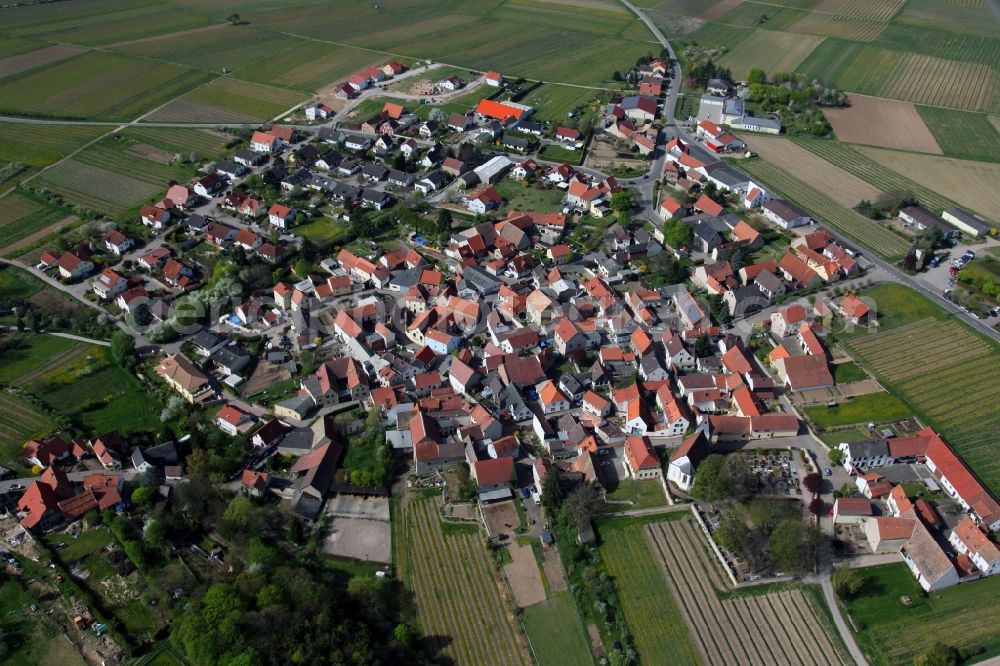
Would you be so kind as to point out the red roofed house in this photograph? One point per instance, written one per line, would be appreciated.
(640, 458)
(708, 206)
(851, 510)
(40, 507)
(281, 216)
(255, 483)
(853, 309)
(46, 452)
(117, 242)
(263, 142)
(969, 539)
(486, 201)
(497, 111)
(72, 267)
(670, 208)
(493, 474)
(233, 421)
(494, 79)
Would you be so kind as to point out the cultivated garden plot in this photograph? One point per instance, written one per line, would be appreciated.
(774, 628)
(458, 600)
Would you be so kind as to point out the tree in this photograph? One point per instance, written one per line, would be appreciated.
(123, 349)
(142, 315)
(403, 634)
(711, 482)
(552, 491)
(233, 18)
(703, 346)
(939, 654)
(621, 202)
(240, 513)
(757, 75)
(733, 532)
(816, 506)
(847, 582)
(738, 480)
(143, 496)
(580, 503)
(438, 115)
(795, 545)
(836, 457)
(812, 482)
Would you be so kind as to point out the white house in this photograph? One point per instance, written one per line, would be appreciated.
(970, 540)
(686, 458)
(784, 214)
(640, 458)
(551, 398)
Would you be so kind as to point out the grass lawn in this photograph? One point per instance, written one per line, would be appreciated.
(555, 632)
(877, 407)
(322, 231)
(87, 543)
(896, 305)
(963, 615)
(844, 373)
(18, 284)
(521, 197)
(645, 494)
(559, 154)
(835, 438)
(38, 639)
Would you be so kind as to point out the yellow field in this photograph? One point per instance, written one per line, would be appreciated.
(970, 184)
(770, 50)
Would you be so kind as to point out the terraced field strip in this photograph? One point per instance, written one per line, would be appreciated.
(456, 591)
(939, 82)
(650, 609)
(777, 627)
(850, 223)
(96, 188)
(19, 421)
(52, 364)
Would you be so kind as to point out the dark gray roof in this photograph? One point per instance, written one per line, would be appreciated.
(868, 448)
(784, 209)
(480, 280)
(968, 219)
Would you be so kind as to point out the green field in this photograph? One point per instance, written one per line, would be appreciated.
(17, 284)
(99, 23)
(252, 99)
(527, 197)
(553, 102)
(322, 231)
(41, 145)
(555, 633)
(38, 639)
(309, 65)
(204, 143)
(96, 85)
(947, 374)
(844, 373)
(871, 407)
(77, 379)
(19, 421)
(862, 166)
(632, 495)
(963, 616)
(852, 224)
(961, 134)
(225, 48)
(555, 153)
(21, 216)
(650, 610)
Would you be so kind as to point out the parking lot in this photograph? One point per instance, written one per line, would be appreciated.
(941, 274)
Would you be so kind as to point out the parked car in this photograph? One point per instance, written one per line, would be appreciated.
(827, 471)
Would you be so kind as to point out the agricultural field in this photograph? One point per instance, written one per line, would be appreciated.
(935, 41)
(521, 197)
(651, 610)
(99, 23)
(963, 616)
(852, 224)
(99, 189)
(840, 185)
(231, 99)
(19, 421)
(457, 597)
(555, 632)
(770, 50)
(41, 145)
(882, 122)
(957, 17)
(204, 143)
(96, 85)
(309, 65)
(20, 217)
(851, 159)
(777, 627)
(23, 62)
(970, 136)
(970, 184)
(947, 374)
(41, 639)
(225, 48)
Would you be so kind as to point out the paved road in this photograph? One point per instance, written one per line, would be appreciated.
(842, 628)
